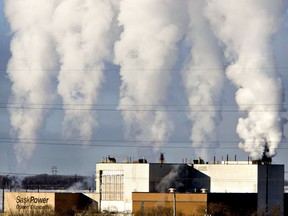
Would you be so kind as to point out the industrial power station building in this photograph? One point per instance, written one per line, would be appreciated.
(243, 186)
(132, 186)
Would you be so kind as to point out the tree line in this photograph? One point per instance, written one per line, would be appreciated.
(47, 182)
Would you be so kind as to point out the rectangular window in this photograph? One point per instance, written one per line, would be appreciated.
(111, 184)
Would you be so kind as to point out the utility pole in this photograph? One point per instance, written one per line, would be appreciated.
(142, 208)
(4, 182)
(2, 193)
(267, 189)
(173, 190)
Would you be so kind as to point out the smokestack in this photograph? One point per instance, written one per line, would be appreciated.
(161, 158)
(266, 159)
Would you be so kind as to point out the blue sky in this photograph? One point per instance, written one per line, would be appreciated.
(71, 157)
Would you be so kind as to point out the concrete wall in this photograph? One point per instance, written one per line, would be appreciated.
(93, 196)
(271, 187)
(182, 177)
(232, 203)
(162, 177)
(198, 204)
(136, 178)
(285, 203)
(187, 204)
(244, 178)
(229, 178)
(216, 178)
(68, 203)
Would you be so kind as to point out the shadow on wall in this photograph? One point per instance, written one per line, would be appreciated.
(183, 177)
(200, 182)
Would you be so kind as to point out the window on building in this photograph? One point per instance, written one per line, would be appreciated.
(111, 184)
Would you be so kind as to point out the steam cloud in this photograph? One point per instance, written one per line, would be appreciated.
(84, 36)
(30, 70)
(146, 51)
(78, 38)
(246, 29)
(203, 77)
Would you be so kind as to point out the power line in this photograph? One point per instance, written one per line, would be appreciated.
(159, 108)
(117, 140)
(138, 178)
(2, 104)
(118, 68)
(37, 174)
(128, 144)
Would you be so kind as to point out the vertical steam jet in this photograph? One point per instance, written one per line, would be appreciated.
(30, 70)
(84, 36)
(146, 51)
(203, 77)
(246, 29)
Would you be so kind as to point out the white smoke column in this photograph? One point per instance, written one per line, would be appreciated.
(170, 180)
(246, 29)
(30, 70)
(84, 34)
(146, 51)
(203, 77)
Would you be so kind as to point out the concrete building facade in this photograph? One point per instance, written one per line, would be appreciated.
(186, 203)
(266, 180)
(115, 182)
(196, 203)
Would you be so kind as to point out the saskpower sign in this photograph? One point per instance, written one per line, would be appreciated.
(23, 201)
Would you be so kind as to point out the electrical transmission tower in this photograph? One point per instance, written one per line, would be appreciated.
(54, 170)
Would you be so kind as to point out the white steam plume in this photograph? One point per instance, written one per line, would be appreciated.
(84, 34)
(203, 77)
(146, 51)
(30, 70)
(246, 29)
